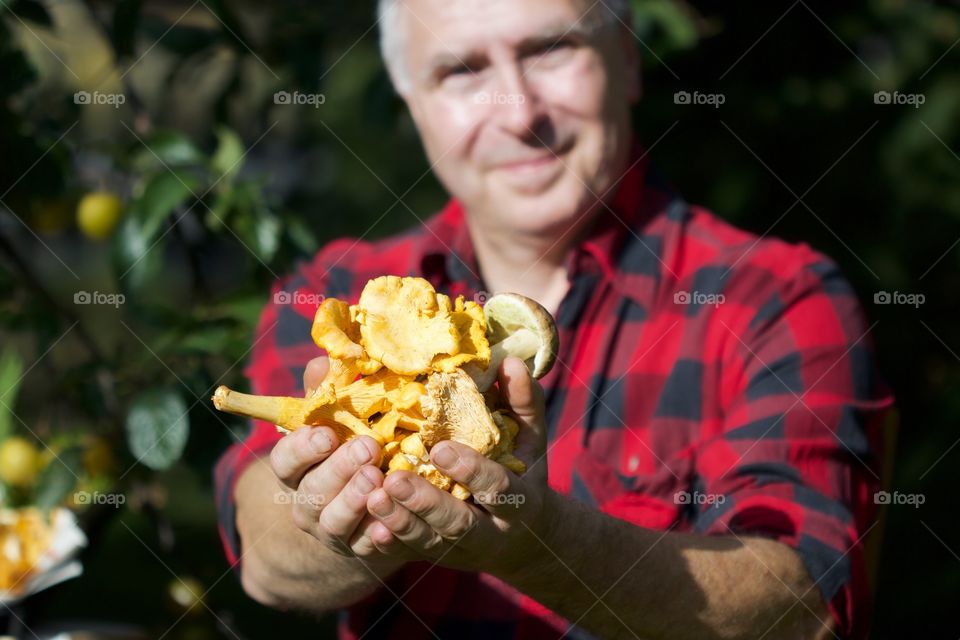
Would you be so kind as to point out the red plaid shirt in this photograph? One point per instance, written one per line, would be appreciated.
(708, 381)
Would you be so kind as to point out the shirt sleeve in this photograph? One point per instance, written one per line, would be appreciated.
(797, 457)
(281, 349)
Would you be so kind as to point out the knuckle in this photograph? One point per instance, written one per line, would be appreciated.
(435, 543)
(330, 531)
(279, 459)
(303, 519)
(312, 484)
(461, 525)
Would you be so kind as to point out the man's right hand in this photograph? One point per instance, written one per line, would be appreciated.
(330, 483)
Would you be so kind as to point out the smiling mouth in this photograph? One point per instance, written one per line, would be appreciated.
(531, 163)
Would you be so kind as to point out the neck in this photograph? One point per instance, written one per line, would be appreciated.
(531, 264)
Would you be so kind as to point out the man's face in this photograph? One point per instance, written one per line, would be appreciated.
(522, 105)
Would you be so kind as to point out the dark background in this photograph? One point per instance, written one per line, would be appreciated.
(800, 149)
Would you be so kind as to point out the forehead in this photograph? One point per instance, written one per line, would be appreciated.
(434, 26)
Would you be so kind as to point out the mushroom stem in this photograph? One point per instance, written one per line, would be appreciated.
(522, 344)
(290, 413)
(267, 408)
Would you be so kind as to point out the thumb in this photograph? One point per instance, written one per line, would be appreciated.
(314, 374)
(524, 395)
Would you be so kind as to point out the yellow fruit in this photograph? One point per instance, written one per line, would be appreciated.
(19, 462)
(187, 593)
(98, 214)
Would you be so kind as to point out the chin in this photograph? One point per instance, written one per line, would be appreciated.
(548, 212)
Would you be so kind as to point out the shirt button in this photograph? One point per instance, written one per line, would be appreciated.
(633, 463)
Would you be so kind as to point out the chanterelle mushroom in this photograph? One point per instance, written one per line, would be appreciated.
(423, 363)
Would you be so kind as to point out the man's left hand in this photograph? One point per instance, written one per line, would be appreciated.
(496, 534)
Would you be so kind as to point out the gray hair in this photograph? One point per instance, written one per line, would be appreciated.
(392, 40)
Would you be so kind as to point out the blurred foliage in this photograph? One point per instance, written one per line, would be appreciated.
(224, 189)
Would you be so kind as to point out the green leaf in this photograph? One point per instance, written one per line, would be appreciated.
(267, 229)
(59, 478)
(11, 370)
(157, 428)
(301, 235)
(227, 159)
(167, 149)
(161, 195)
(136, 259)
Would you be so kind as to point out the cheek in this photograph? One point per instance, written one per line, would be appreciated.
(448, 125)
(579, 89)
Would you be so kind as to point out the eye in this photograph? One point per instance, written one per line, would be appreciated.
(557, 45)
(460, 70)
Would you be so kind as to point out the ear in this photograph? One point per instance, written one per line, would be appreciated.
(633, 80)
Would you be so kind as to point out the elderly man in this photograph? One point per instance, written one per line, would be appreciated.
(701, 461)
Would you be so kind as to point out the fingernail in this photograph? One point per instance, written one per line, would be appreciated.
(445, 456)
(359, 452)
(320, 442)
(363, 483)
(383, 508)
(401, 489)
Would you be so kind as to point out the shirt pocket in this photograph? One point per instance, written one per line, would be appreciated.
(619, 475)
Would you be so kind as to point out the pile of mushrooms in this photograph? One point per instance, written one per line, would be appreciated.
(410, 368)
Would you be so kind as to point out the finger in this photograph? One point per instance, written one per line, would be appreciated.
(403, 524)
(524, 395)
(522, 392)
(448, 516)
(494, 487)
(329, 478)
(375, 539)
(294, 454)
(367, 532)
(314, 373)
(341, 516)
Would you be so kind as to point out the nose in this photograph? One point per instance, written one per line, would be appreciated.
(516, 104)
